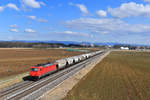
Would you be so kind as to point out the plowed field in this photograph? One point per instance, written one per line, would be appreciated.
(120, 76)
(15, 61)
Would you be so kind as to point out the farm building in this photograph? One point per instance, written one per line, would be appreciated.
(124, 48)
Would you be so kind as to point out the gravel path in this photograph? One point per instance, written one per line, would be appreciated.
(8, 81)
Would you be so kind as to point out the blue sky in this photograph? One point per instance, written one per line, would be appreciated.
(123, 21)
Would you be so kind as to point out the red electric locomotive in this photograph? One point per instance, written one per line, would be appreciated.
(41, 70)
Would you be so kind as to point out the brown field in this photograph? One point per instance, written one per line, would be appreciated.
(120, 76)
(16, 61)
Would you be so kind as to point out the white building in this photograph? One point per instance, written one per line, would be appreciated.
(124, 48)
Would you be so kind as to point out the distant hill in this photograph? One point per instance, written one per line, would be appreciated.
(64, 42)
(73, 42)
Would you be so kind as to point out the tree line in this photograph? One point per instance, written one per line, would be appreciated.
(36, 45)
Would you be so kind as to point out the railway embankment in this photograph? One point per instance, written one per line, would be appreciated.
(8, 81)
(61, 90)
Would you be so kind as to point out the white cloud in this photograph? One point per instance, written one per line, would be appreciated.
(130, 10)
(13, 26)
(33, 3)
(1, 8)
(71, 4)
(101, 13)
(42, 3)
(9, 5)
(11, 38)
(13, 30)
(147, 0)
(76, 33)
(32, 17)
(28, 30)
(12, 6)
(37, 19)
(82, 8)
(42, 20)
(68, 32)
(107, 26)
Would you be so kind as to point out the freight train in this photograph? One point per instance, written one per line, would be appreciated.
(40, 70)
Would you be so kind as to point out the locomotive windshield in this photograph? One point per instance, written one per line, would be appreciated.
(48, 64)
(34, 69)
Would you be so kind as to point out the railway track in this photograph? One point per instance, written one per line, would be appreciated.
(30, 90)
(14, 88)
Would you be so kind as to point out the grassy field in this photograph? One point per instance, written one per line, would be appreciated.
(120, 76)
(16, 61)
